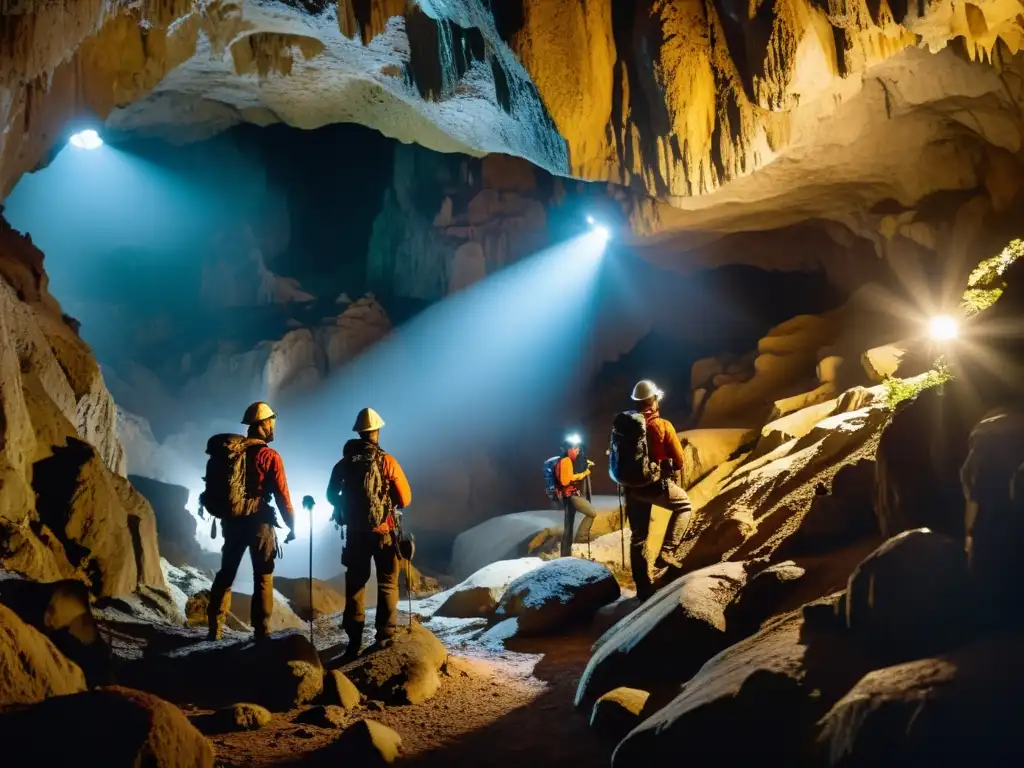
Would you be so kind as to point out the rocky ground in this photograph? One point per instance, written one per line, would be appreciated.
(494, 708)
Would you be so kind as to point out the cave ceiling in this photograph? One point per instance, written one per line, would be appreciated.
(713, 115)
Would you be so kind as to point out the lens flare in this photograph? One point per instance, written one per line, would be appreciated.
(943, 328)
(574, 439)
(87, 139)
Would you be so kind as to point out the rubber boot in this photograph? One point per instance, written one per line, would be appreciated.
(215, 613)
(262, 605)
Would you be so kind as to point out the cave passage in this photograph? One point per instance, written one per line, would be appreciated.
(476, 389)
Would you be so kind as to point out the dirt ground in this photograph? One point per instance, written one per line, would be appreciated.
(487, 713)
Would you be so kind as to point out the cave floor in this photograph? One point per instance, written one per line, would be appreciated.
(491, 710)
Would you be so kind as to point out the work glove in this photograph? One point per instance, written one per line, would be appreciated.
(589, 464)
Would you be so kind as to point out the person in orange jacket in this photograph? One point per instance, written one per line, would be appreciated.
(573, 501)
(367, 488)
(662, 446)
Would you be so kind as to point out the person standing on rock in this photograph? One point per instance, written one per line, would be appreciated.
(646, 458)
(242, 475)
(567, 479)
(367, 488)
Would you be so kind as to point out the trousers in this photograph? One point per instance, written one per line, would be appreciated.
(259, 539)
(361, 549)
(572, 505)
(668, 495)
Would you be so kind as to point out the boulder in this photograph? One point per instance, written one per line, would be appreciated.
(238, 717)
(557, 594)
(61, 611)
(329, 716)
(703, 371)
(757, 600)
(176, 528)
(479, 595)
(107, 529)
(666, 640)
(618, 712)
(521, 534)
(401, 670)
(901, 359)
(338, 689)
(31, 668)
(768, 691)
(364, 743)
(137, 729)
(150, 605)
(505, 537)
(911, 597)
(993, 485)
(326, 599)
(918, 459)
(924, 711)
(278, 673)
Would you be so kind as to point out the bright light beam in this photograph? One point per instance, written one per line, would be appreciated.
(87, 139)
(943, 328)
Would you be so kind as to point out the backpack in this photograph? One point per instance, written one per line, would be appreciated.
(629, 463)
(230, 480)
(365, 490)
(550, 480)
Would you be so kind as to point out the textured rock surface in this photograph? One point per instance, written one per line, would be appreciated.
(402, 670)
(556, 594)
(694, 104)
(289, 673)
(366, 742)
(479, 595)
(149, 732)
(923, 711)
(618, 712)
(58, 438)
(801, 669)
(326, 599)
(667, 639)
(31, 668)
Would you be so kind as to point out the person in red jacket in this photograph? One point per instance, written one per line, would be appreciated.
(366, 489)
(662, 446)
(568, 487)
(255, 533)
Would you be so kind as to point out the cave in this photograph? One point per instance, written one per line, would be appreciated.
(488, 223)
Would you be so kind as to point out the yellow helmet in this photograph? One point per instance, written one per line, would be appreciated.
(645, 390)
(257, 412)
(368, 420)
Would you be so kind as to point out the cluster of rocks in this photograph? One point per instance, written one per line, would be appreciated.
(907, 658)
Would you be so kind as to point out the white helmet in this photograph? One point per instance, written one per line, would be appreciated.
(257, 412)
(645, 390)
(368, 420)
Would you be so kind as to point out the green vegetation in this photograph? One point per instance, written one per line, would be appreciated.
(897, 390)
(986, 284)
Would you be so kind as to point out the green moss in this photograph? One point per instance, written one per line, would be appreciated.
(985, 284)
(897, 390)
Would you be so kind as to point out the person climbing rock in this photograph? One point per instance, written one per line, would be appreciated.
(243, 474)
(367, 488)
(567, 481)
(646, 458)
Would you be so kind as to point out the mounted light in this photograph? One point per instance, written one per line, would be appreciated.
(943, 328)
(574, 439)
(87, 139)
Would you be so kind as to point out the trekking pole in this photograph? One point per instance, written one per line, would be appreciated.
(408, 588)
(308, 503)
(622, 527)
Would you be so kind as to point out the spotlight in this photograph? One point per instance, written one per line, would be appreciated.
(590, 220)
(87, 139)
(574, 439)
(603, 232)
(943, 328)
